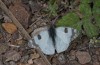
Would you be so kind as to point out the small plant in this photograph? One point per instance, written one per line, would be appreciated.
(52, 7)
(90, 20)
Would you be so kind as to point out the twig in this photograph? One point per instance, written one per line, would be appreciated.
(35, 22)
(22, 30)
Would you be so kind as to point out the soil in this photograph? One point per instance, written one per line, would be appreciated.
(14, 49)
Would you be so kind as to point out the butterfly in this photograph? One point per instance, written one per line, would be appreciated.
(52, 40)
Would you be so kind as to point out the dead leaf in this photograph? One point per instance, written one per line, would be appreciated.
(6, 18)
(35, 6)
(8, 2)
(3, 47)
(9, 27)
(12, 55)
(24, 59)
(20, 13)
(39, 62)
(0, 35)
(55, 61)
(34, 56)
(16, 39)
(19, 42)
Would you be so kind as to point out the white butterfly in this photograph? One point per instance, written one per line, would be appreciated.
(63, 37)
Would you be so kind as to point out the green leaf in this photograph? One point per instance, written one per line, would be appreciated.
(96, 3)
(85, 10)
(78, 26)
(96, 13)
(85, 1)
(90, 29)
(52, 7)
(68, 20)
(96, 10)
(97, 19)
(52, 2)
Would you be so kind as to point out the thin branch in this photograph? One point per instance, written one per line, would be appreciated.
(22, 30)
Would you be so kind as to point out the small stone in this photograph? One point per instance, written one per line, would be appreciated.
(94, 58)
(83, 57)
(30, 61)
(72, 55)
(74, 63)
(1, 63)
(6, 18)
(99, 58)
(62, 59)
(96, 63)
(12, 63)
(72, 52)
(23, 64)
(12, 55)
(34, 5)
(39, 62)
(24, 59)
(97, 52)
(3, 47)
(20, 13)
(1, 35)
(71, 58)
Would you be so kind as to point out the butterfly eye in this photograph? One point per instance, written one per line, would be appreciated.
(66, 30)
(39, 37)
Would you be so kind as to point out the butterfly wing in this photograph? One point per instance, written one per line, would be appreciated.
(63, 38)
(45, 42)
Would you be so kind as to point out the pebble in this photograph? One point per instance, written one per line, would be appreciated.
(74, 63)
(96, 63)
(83, 57)
(30, 61)
(62, 59)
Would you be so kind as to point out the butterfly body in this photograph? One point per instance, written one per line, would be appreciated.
(54, 39)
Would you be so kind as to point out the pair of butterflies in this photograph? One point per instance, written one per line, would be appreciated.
(52, 40)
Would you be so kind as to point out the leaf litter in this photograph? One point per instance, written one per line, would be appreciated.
(27, 13)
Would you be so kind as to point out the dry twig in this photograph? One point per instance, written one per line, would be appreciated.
(22, 30)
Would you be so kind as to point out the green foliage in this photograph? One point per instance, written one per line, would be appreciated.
(97, 3)
(85, 10)
(96, 12)
(85, 1)
(97, 19)
(72, 20)
(78, 26)
(68, 20)
(90, 29)
(52, 7)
